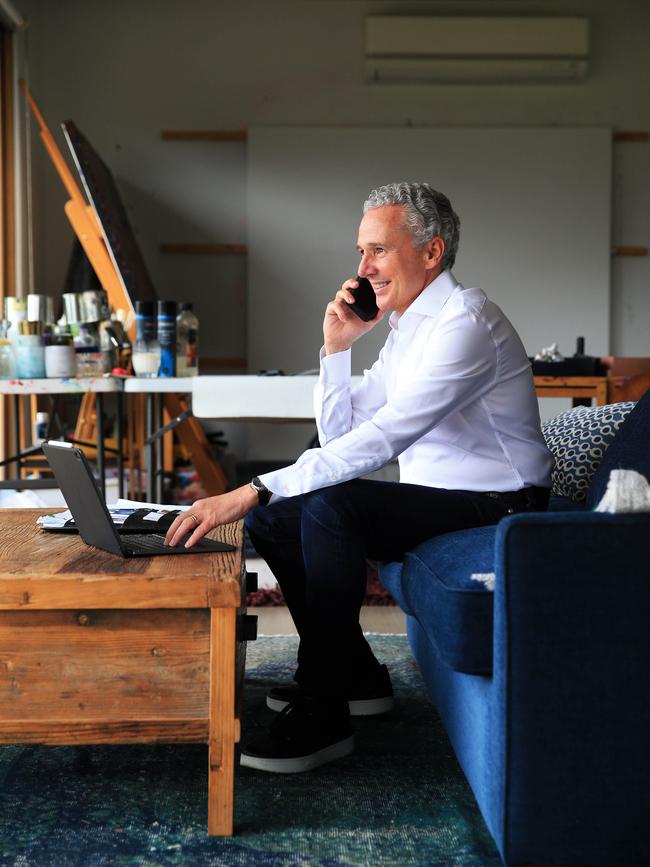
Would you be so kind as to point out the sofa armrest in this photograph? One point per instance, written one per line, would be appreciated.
(571, 672)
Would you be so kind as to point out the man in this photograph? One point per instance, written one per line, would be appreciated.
(451, 396)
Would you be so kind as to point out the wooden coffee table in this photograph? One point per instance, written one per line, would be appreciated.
(96, 649)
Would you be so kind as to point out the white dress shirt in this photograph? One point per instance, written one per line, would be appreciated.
(451, 396)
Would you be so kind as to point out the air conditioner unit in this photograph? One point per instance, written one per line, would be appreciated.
(449, 50)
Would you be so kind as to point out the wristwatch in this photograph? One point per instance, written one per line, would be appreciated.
(263, 493)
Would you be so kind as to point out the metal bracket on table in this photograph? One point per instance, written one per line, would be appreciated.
(187, 413)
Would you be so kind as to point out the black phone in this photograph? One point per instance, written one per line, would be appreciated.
(365, 303)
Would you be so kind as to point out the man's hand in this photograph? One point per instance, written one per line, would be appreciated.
(204, 515)
(341, 326)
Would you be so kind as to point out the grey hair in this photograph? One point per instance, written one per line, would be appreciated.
(428, 213)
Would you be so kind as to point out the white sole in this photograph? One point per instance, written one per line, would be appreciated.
(365, 707)
(300, 764)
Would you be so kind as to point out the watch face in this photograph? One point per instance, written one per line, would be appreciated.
(263, 493)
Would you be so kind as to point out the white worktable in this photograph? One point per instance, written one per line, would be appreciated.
(158, 384)
(68, 385)
(255, 398)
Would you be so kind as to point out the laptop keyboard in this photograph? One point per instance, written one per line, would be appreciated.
(145, 541)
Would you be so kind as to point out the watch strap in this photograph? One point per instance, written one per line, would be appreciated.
(263, 493)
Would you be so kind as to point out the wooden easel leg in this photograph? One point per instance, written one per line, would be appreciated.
(224, 727)
(86, 420)
(193, 437)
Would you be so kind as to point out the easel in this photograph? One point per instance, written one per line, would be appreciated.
(86, 225)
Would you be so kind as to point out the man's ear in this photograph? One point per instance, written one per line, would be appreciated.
(435, 252)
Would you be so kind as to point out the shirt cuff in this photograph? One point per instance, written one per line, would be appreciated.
(276, 481)
(337, 367)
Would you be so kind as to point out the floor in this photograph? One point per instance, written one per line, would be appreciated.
(376, 618)
(277, 620)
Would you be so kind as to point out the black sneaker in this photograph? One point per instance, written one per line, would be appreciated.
(366, 699)
(308, 733)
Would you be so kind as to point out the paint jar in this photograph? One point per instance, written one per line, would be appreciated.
(86, 336)
(72, 307)
(40, 308)
(30, 356)
(94, 305)
(90, 362)
(60, 357)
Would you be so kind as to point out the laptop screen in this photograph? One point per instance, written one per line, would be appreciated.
(74, 477)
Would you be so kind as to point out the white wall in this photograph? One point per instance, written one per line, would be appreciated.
(534, 207)
(125, 70)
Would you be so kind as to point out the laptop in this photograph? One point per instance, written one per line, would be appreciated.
(84, 499)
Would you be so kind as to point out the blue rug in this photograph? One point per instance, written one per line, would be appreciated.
(399, 800)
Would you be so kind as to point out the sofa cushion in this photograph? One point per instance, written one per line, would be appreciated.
(434, 584)
(578, 440)
(628, 451)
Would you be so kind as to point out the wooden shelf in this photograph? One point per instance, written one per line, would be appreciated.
(204, 135)
(205, 249)
(242, 135)
(629, 251)
(630, 136)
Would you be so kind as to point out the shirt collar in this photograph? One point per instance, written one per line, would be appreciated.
(431, 299)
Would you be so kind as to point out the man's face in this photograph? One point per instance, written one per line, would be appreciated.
(397, 270)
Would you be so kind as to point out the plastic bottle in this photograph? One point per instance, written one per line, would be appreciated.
(40, 427)
(187, 341)
(167, 337)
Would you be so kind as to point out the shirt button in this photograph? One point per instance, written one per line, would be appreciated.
(333, 476)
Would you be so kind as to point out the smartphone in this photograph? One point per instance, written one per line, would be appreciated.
(365, 304)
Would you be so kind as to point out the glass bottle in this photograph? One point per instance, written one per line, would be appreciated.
(187, 341)
(7, 359)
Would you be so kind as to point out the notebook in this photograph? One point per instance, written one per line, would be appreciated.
(84, 499)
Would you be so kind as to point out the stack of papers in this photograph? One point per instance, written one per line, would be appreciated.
(119, 512)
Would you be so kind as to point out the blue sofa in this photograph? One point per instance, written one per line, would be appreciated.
(541, 682)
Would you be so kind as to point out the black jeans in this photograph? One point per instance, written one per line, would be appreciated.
(317, 545)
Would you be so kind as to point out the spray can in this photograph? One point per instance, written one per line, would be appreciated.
(145, 324)
(167, 337)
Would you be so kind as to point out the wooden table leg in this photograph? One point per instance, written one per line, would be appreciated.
(224, 727)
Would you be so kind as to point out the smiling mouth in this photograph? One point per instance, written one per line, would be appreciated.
(378, 287)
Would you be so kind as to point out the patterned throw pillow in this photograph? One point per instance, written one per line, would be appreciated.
(578, 439)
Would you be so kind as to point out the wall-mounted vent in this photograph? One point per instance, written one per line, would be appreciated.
(446, 50)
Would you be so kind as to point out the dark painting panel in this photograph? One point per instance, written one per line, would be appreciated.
(104, 196)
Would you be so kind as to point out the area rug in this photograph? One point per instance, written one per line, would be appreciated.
(273, 596)
(399, 800)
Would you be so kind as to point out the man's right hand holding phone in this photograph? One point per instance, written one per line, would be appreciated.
(343, 324)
